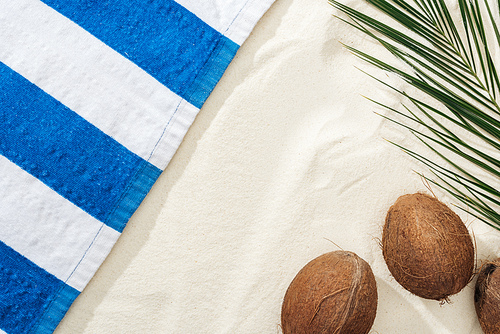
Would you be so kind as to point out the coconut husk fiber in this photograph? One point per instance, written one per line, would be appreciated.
(334, 293)
(427, 247)
(487, 297)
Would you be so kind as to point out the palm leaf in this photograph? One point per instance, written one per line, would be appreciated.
(451, 61)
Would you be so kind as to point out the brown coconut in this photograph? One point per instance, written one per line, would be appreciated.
(334, 293)
(427, 247)
(487, 297)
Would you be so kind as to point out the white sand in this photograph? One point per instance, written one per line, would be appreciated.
(285, 156)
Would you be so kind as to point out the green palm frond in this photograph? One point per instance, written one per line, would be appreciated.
(451, 59)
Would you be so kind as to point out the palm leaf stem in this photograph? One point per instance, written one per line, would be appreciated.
(445, 143)
(446, 73)
(485, 214)
(438, 170)
(455, 69)
(420, 104)
(464, 182)
(451, 53)
(446, 140)
(455, 103)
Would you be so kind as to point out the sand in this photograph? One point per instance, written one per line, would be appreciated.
(286, 161)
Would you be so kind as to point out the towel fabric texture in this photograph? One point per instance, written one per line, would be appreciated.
(95, 98)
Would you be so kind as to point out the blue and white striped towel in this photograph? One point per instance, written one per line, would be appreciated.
(95, 98)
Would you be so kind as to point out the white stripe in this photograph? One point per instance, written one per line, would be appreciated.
(86, 75)
(246, 19)
(100, 248)
(174, 133)
(216, 13)
(229, 17)
(48, 229)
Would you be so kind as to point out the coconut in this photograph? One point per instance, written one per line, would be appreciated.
(487, 297)
(334, 293)
(427, 247)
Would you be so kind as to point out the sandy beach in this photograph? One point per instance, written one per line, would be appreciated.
(286, 160)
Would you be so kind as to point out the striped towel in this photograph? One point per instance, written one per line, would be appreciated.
(95, 98)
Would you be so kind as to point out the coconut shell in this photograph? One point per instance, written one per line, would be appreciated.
(334, 293)
(427, 247)
(487, 297)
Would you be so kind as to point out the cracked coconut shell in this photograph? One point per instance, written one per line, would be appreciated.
(427, 247)
(334, 293)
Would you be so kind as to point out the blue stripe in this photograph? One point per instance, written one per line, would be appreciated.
(56, 310)
(160, 36)
(63, 150)
(29, 295)
(212, 72)
(133, 196)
